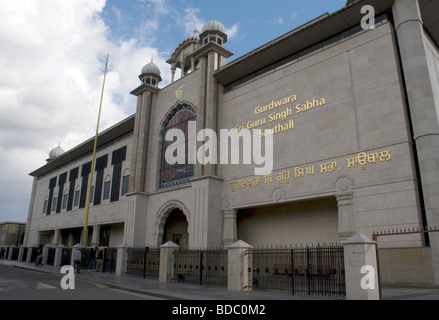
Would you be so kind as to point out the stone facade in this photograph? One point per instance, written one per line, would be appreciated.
(349, 146)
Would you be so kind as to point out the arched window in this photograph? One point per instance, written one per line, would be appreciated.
(176, 174)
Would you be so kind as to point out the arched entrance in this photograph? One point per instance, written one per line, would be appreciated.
(172, 218)
(176, 228)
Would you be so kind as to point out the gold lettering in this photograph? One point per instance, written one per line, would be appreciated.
(268, 179)
(283, 177)
(363, 158)
(275, 104)
(256, 181)
(301, 171)
(328, 167)
(179, 92)
(255, 124)
(385, 154)
(310, 104)
(352, 161)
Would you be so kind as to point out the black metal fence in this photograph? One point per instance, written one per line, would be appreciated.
(86, 256)
(201, 266)
(15, 252)
(24, 256)
(51, 256)
(66, 256)
(143, 262)
(110, 260)
(313, 270)
(35, 253)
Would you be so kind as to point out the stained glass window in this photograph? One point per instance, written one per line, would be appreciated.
(177, 174)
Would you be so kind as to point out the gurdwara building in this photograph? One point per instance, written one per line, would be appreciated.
(352, 115)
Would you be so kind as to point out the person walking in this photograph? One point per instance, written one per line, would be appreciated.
(92, 265)
(39, 260)
(77, 260)
(100, 256)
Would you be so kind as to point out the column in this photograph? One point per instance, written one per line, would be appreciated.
(423, 109)
(182, 67)
(229, 227)
(56, 236)
(70, 241)
(198, 167)
(210, 116)
(192, 64)
(172, 72)
(345, 203)
(95, 236)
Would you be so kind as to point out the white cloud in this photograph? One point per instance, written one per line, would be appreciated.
(276, 20)
(191, 20)
(232, 32)
(52, 59)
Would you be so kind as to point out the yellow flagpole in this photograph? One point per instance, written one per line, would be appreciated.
(87, 211)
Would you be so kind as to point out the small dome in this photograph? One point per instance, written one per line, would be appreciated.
(55, 152)
(151, 68)
(195, 36)
(213, 25)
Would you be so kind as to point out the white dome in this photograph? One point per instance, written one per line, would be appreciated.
(214, 25)
(151, 68)
(55, 152)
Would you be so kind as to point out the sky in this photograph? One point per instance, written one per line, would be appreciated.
(52, 64)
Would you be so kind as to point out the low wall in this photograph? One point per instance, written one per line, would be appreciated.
(406, 266)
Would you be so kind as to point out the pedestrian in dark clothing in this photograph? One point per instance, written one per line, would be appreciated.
(100, 256)
(39, 260)
(77, 260)
(92, 265)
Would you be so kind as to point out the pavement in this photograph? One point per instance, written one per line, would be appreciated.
(189, 291)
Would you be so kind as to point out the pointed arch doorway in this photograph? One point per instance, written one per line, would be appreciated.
(176, 228)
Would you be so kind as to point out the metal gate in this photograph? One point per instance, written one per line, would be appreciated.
(66, 254)
(143, 262)
(110, 259)
(51, 256)
(299, 271)
(201, 266)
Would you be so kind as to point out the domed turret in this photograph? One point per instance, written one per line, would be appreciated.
(213, 31)
(151, 68)
(55, 153)
(150, 74)
(213, 25)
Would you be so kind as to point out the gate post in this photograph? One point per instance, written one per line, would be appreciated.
(361, 268)
(238, 263)
(121, 261)
(58, 255)
(46, 252)
(20, 253)
(11, 250)
(29, 253)
(166, 273)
